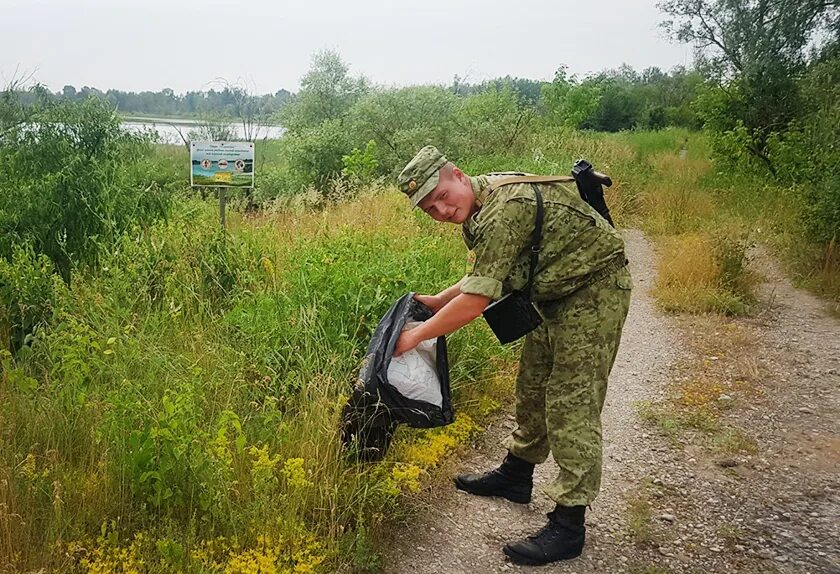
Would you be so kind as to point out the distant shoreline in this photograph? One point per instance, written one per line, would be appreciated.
(185, 121)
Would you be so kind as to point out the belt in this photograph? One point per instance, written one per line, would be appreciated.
(548, 308)
(613, 265)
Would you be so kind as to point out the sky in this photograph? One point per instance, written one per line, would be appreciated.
(187, 45)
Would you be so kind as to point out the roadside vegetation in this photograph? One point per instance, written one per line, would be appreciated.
(170, 393)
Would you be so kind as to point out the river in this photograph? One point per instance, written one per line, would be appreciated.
(168, 129)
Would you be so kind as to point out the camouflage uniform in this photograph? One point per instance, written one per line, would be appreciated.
(582, 290)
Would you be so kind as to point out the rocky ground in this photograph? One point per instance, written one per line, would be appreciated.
(752, 487)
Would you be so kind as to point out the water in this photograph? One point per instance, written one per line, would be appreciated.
(168, 129)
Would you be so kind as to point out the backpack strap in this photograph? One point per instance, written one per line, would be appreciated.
(536, 240)
(521, 178)
(530, 179)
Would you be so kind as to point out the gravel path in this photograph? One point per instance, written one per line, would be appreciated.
(686, 505)
(460, 533)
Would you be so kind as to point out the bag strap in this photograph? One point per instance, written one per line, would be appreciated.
(535, 240)
(521, 179)
(530, 179)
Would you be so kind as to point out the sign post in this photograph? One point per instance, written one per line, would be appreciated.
(222, 164)
(222, 206)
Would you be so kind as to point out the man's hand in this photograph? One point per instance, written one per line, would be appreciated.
(433, 302)
(406, 342)
(452, 316)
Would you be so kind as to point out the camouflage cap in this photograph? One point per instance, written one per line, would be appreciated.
(420, 176)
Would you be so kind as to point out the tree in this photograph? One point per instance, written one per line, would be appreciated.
(403, 120)
(566, 102)
(753, 51)
(327, 93)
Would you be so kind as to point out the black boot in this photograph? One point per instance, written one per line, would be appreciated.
(513, 480)
(561, 539)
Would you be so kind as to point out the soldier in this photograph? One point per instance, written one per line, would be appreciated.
(582, 291)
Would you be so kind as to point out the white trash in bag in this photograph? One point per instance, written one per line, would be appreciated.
(414, 373)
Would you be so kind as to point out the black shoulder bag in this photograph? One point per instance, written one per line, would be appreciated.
(514, 316)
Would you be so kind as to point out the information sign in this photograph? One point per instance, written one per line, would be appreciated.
(222, 164)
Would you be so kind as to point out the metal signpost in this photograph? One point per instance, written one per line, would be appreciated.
(222, 165)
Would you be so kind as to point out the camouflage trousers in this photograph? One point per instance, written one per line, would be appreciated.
(562, 383)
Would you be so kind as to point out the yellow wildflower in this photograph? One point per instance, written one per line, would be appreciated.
(406, 476)
(261, 559)
(429, 452)
(295, 473)
(28, 466)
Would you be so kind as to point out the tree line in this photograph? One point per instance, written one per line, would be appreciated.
(610, 100)
(226, 102)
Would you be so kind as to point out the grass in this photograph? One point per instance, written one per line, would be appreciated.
(731, 535)
(181, 409)
(640, 526)
(699, 274)
(733, 441)
(639, 520)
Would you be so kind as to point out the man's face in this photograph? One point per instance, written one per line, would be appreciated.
(453, 200)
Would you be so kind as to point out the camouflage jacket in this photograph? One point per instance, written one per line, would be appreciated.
(576, 241)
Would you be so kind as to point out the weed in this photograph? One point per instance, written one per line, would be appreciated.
(731, 535)
(730, 441)
(657, 413)
(639, 519)
(699, 274)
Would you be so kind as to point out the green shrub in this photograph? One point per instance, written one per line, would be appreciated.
(27, 294)
(360, 166)
(72, 182)
(315, 154)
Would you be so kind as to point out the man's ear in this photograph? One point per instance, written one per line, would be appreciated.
(459, 175)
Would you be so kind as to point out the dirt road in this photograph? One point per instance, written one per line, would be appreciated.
(677, 505)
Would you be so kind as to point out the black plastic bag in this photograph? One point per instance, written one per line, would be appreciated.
(376, 407)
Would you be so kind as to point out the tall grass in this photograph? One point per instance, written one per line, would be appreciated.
(702, 273)
(182, 407)
(178, 403)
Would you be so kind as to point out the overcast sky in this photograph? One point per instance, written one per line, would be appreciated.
(185, 45)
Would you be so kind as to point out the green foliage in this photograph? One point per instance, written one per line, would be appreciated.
(70, 182)
(361, 166)
(493, 120)
(327, 93)
(621, 99)
(225, 102)
(174, 382)
(527, 91)
(565, 102)
(403, 120)
(27, 293)
(213, 128)
(335, 114)
(673, 94)
(808, 154)
(754, 51)
(620, 106)
(358, 544)
(315, 154)
(731, 255)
